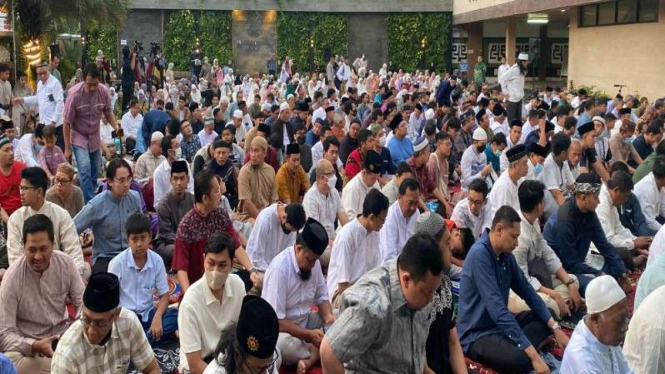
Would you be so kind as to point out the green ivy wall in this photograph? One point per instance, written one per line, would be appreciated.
(406, 32)
(104, 38)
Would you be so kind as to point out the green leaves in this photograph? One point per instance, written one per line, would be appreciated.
(103, 38)
(419, 40)
(328, 31)
(180, 38)
(215, 35)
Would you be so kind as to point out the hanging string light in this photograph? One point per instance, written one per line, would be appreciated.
(32, 52)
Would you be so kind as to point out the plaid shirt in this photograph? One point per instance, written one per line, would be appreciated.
(189, 148)
(128, 342)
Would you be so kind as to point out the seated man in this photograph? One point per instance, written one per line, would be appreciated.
(251, 343)
(353, 164)
(34, 183)
(400, 220)
(504, 191)
(149, 161)
(330, 151)
(650, 192)
(322, 201)
(630, 213)
(541, 267)
(385, 317)
(34, 293)
(10, 179)
(595, 346)
(206, 218)
(256, 183)
(556, 174)
(429, 187)
(291, 179)
(211, 305)
(357, 188)
(275, 229)
(222, 165)
(170, 211)
(357, 248)
(403, 171)
(634, 250)
(471, 211)
(489, 333)
(474, 162)
(106, 335)
(140, 271)
(644, 342)
(162, 175)
(293, 284)
(571, 231)
(107, 215)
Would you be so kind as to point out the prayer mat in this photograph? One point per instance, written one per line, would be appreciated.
(168, 358)
(174, 290)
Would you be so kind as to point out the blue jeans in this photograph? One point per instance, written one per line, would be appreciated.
(88, 164)
(169, 325)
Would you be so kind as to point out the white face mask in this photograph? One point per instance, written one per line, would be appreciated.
(215, 279)
(177, 153)
(332, 181)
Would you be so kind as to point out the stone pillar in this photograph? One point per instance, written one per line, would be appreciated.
(475, 45)
(511, 41)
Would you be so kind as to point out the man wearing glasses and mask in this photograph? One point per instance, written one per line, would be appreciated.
(106, 338)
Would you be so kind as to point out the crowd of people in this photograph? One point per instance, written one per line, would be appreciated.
(384, 222)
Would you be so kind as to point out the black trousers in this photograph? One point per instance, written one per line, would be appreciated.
(514, 111)
(127, 93)
(60, 137)
(502, 355)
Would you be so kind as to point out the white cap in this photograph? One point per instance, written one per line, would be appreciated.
(599, 119)
(420, 144)
(602, 293)
(429, 114)
(284, 106)
(156, 136)
(479, 134)
(237, 113)
(523, 56)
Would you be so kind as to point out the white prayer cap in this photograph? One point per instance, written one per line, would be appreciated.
(602, 293)
(479, 134)
(156, 136)
(429, 114)
(599, 119)
(237, 113)
(284, 106)
(523, 56)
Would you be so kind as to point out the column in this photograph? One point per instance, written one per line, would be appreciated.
(511, 41)
(474, 45)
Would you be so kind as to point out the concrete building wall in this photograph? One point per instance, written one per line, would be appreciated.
(368, 34)
(254, 36)
(622, 54)
(466, 11)
(301, 5)
(143, 25)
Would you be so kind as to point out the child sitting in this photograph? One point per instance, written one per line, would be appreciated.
(50, 156)
(140, 271)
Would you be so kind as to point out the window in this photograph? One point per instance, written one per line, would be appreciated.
(606, 13)
(619, 12)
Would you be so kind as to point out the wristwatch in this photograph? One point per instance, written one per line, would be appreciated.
(556, 326)
(624, 275)
(571, 281)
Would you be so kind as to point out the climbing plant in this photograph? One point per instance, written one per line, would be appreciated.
(328, 31)
(179, 38)
(215, 35)
(419, 40)
(104, 38)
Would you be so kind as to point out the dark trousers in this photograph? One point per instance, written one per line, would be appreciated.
(271, 72)
(169, 325)
(127, 93)
(514, 111)
(60, 137)
(101, 265)
(502, 355)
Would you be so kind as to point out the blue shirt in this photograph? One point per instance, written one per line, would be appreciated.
(154, 120)
(632, 218)
(570, 233)
(107, 216)
(492, 159)
(311, 138)
(6, 365)
(136, 285)
(484, 288)
(643, 149)
(652, 278)
(400, 150)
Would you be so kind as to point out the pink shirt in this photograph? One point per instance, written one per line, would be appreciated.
(51, 158)
(84, 111)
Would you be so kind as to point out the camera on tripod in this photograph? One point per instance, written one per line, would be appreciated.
(138, 46)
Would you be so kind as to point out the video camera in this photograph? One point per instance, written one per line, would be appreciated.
(138, 46)
(154, 49)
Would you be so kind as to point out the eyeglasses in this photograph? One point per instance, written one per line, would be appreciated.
(26, 188)
(98, 324)
(124, 180)
(63, 182)
(266, 369)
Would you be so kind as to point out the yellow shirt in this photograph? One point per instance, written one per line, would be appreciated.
(290, 185)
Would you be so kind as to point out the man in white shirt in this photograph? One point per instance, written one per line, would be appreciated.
(512, 84)
(651, 194)
(504, 191)
(131, 124)
(499, 121)
(474, 162)
(34, 183)
(275, 228)
(49, 99)
(513, 138)
(241, 131)
(401, 218)
(357, 188)
(556, 175)
(530, 125)
(357, 248)
(29, 146)
(502, 69)
(162, 176)
(558, 289)
(595, 346)
(645, 341)
(210, 305)
(151, 159)
(208, 134)
(344, 72)
(322, 201)
(470, 212)
(612, 195)
(293, 284)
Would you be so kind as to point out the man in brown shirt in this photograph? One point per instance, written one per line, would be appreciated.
(33, 298)
(256, 183)
(622, 149)
(291, 179)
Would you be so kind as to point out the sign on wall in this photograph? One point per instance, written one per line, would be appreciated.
(459, 52)
(558, 53)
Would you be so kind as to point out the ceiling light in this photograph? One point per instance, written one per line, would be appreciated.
(537, 18)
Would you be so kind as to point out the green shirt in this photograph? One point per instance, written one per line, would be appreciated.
(479, 72)
(645, 168)
(56, 74)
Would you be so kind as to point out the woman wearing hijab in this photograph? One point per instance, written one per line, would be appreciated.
(169, 73)
(195, 94)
